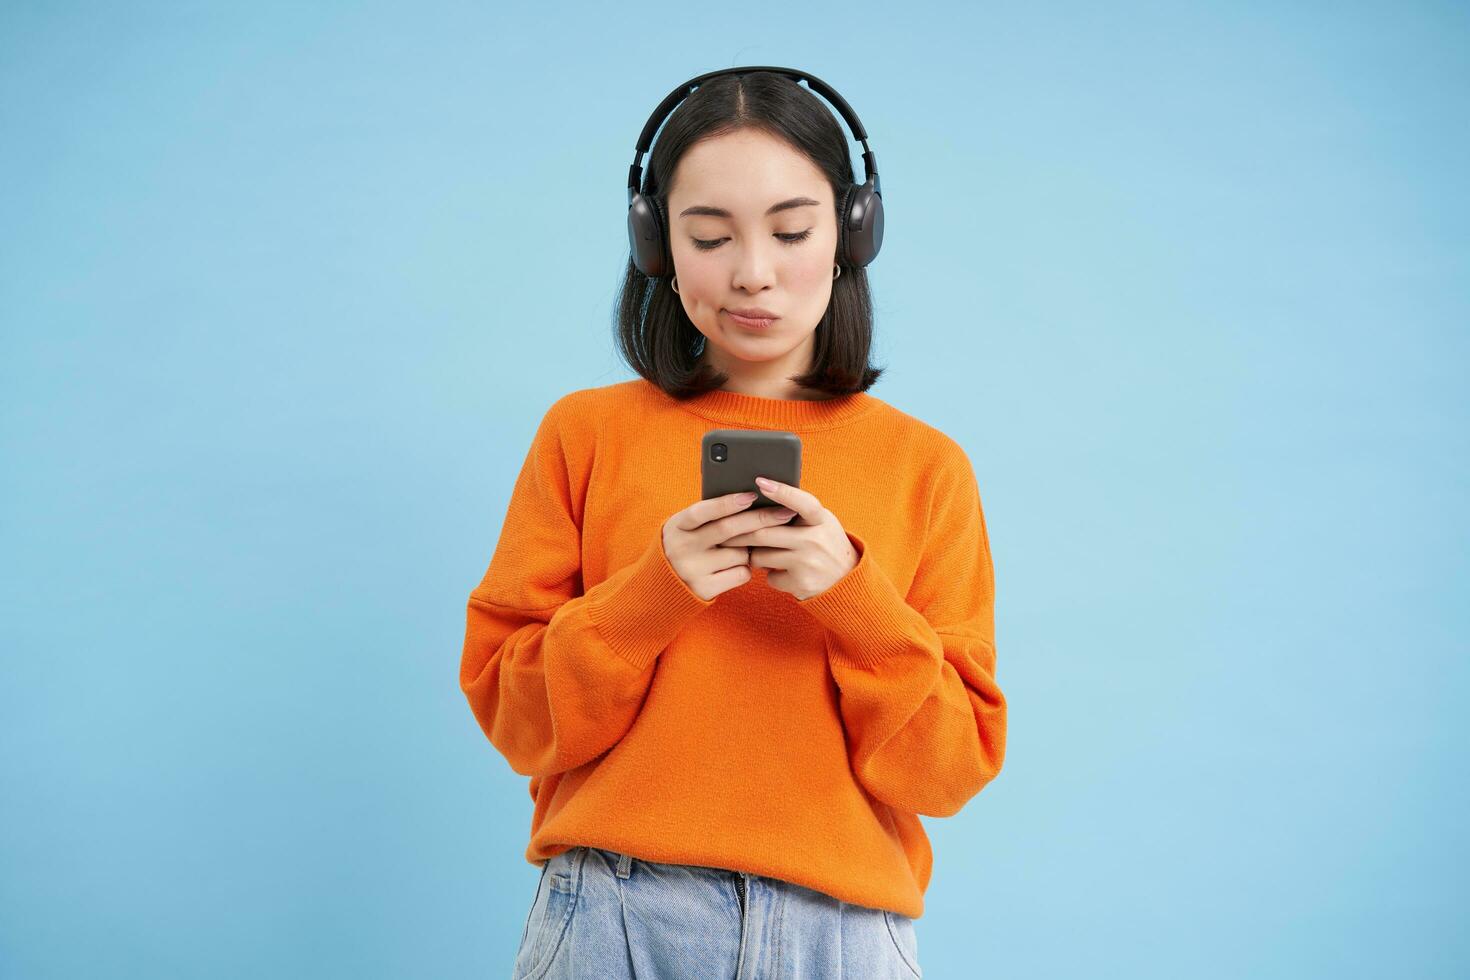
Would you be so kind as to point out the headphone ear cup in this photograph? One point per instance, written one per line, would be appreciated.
(863, 227)
(646, 236)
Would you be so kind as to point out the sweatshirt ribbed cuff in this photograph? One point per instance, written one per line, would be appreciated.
(869, 621)
(640, 615)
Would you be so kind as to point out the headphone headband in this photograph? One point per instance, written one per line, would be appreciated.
(645, 139)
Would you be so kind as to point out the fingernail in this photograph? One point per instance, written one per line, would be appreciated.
(749, 495)
(764, 482)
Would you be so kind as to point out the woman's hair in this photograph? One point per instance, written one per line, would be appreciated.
(655, 335)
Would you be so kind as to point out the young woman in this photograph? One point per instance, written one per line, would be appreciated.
(732, 717)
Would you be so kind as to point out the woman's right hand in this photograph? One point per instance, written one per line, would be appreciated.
(694, 537)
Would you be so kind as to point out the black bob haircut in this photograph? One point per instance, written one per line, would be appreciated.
(655, 335)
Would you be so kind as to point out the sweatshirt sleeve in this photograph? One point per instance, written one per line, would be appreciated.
(555, 675)
(924, 717)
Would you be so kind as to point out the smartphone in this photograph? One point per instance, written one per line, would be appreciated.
(731, 459)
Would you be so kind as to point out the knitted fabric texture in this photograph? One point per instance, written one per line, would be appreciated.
(798, 739)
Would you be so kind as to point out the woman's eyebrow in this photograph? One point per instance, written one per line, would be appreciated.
(714, 212)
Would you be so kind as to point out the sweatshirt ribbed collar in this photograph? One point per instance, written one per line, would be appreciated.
(794, 415)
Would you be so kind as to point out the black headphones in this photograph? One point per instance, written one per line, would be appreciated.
(860, 214)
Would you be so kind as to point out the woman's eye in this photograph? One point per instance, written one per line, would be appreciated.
(790, 239)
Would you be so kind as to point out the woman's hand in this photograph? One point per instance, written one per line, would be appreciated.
(695, 544)
(810, 556)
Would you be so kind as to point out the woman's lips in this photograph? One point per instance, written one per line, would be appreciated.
(754, 323)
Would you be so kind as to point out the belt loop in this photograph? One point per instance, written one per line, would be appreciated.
(625, 864)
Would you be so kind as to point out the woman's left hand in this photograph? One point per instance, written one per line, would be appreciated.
(806, 558)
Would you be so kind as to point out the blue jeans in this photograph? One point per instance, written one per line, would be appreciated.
(604, 915)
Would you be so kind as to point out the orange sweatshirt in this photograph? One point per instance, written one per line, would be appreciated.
(798, 739)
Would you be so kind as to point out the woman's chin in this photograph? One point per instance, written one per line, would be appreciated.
(757, 350)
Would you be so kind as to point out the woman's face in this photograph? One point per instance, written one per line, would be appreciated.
(750, 256)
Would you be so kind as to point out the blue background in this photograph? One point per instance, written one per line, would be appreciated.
(286, 288)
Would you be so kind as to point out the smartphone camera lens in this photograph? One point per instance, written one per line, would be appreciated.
(717, 452)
